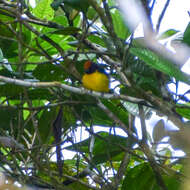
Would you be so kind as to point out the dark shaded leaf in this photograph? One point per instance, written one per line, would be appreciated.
(80, 5)
(11, 91)
(45, 123)
(160, 64)
(186, 36)
(57, 131)
(56, 3)
(66, 31)
(139, 177)
(49, 72)
(8, 117)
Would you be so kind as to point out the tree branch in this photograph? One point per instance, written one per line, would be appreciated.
(69, 88)
(143, 124)
(122, 169)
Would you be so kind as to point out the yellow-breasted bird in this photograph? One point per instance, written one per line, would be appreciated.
(95, 77)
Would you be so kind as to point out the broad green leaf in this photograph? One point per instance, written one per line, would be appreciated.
(119, 25)
(5, 16)
(43, 10)
(172, 183)
(186, 36)
(168, 34)
(140, 177)
(91, 14)
(9, 48)
(80, 5)
(8, 117)
(184, 111)
(49, 72)
(26, 36)
(61, 19)
(40, 94)
(6, 32)
(55, 4)
(97, 40)
(67, 31)
(111, 3)
(45, 124)
(11, 91)
(160, 64)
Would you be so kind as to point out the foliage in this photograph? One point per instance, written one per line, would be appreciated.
(42, 105)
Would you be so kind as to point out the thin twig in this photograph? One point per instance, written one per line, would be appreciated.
(122, 169)
(115, 118)
(143, 124)
(154, 165)
(162, 15)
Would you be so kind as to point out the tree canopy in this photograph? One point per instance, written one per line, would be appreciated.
(43, 47)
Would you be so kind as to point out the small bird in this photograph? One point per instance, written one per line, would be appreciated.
(95, 77)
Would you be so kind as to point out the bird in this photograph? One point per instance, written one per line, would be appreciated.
(95, 78)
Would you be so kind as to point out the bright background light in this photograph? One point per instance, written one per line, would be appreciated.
(176, 17)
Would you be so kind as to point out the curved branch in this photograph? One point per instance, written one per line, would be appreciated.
(76, 90)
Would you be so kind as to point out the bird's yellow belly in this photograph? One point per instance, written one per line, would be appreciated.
(96, 81)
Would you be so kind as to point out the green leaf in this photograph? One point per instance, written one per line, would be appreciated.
(91, 14)
(1, 55)
(80, 5)
(45, 124)
(43, 10)
(139, 177)
(111, 3)
(119, 25)
(10, 90)
(97, 40)
(5, 32)
(168, 34)
(186, 36)
(40, 94)
(160, 64)
(5, 16)
(172, 182)
(55, 4)
(67, 31)
(184, 112)
(8, 117)
(49, 72)
(61, 19)
(9, 48)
